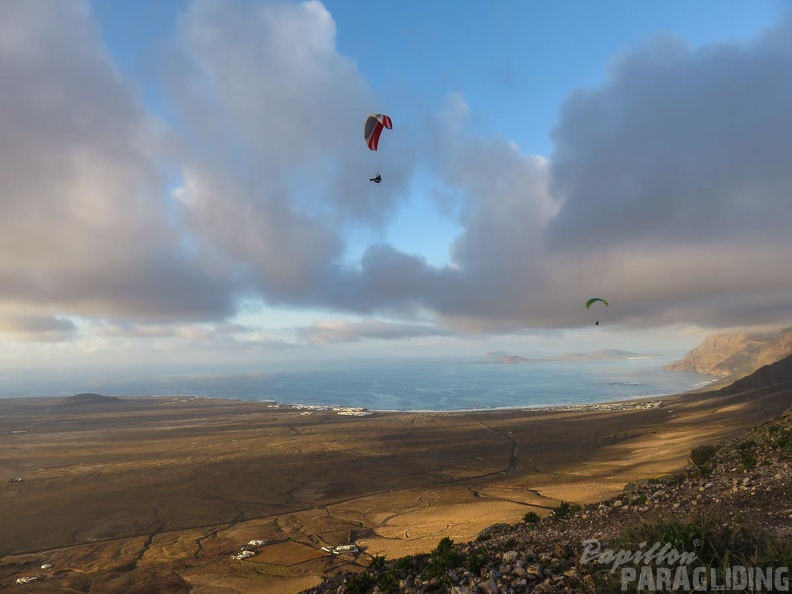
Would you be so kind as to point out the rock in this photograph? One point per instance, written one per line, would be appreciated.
(562, 551)
(545, 586)
(572, 574)
(493, 530)
(461, 590)
(488, 587)
(510, 556)
(533, 571)
(529, 555)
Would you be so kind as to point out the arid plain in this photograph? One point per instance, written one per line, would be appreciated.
(157, 494)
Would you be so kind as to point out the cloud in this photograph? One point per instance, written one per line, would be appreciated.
(681, 144)
(274, 162)
(32, 328)
(667, 193)
(343, 331)
(83, 222)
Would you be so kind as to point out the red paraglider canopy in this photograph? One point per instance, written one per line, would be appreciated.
(373, 128)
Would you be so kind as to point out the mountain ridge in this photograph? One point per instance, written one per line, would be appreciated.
(735, 355)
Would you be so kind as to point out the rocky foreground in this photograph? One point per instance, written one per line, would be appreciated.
(732, 508)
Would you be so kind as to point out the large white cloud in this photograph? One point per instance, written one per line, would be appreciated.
(668, 192)
(83, 226)
(274, 162)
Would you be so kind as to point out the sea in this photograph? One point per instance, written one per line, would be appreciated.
(409, 385)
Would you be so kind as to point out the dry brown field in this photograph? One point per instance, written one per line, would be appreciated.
(157, 494)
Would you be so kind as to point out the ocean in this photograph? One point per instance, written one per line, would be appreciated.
(436, 385)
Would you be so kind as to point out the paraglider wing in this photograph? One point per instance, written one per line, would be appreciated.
(593, 299)
(373, 128)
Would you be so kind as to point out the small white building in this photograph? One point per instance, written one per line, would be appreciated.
(257, 543)
(26, 580)
(341, 549)
(47, 566)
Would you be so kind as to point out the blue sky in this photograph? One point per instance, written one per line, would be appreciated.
(188, 178)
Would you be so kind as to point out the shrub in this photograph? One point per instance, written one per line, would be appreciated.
(377, 563)
(563, 510)
(405, 564)
(360, 583)
(747, 455)
(474, 563)
(701, 456)
(444, 557)
(531, 518)
(388, 583)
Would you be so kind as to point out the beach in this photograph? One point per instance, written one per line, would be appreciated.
(164, 491)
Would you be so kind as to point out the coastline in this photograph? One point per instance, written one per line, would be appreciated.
(452, 385)
(629, 403)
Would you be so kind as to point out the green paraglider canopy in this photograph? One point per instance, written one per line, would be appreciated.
(593, 299)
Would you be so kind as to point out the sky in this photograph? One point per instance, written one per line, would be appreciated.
(187, 181)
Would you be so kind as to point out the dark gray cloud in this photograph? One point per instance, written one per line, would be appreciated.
(681, 144)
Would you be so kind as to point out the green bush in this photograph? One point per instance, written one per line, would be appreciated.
(444, 557)
(405, 564)
(361, 583)
(474, 563)
(747, 454)
(388, 583)
(377, 563)
(563, 510)
(531, 518)
(702, 456)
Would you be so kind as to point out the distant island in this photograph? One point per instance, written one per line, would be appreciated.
(600, 355)
(90, 398)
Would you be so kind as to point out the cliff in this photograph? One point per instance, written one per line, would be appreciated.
(727, 355)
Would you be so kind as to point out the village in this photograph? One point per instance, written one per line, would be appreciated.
(251, 549)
